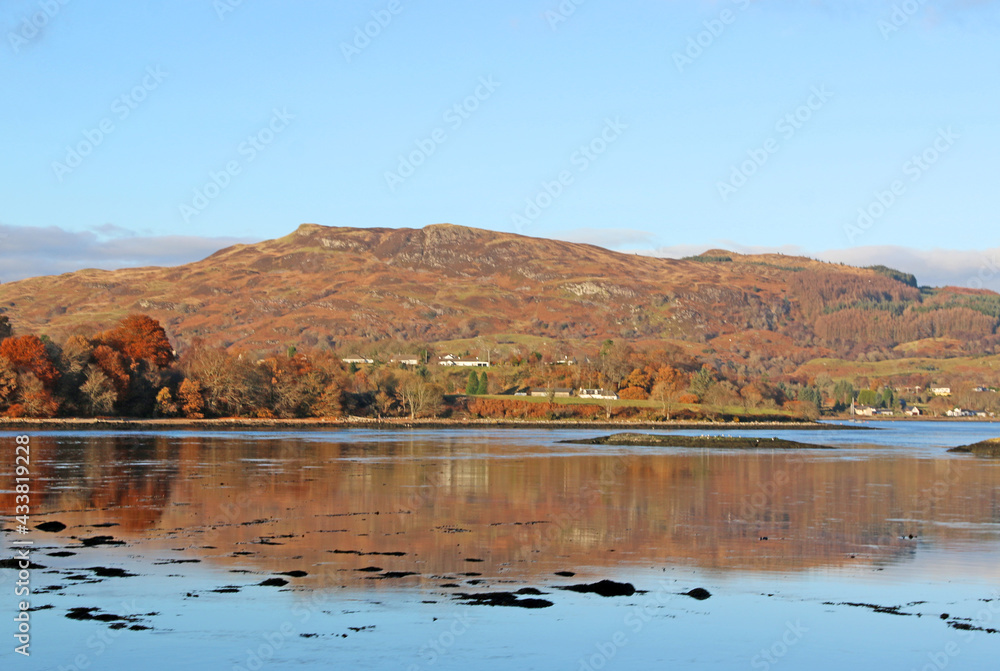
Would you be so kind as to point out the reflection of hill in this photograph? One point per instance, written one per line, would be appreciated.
(441, 501)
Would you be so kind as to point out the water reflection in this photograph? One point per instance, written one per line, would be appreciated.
(523, 509)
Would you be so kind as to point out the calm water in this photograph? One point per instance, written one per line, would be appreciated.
(390, 527)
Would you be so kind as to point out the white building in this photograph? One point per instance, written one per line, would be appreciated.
(597, 393)
(468, 362)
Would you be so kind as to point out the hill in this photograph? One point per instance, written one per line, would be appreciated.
(331, 287)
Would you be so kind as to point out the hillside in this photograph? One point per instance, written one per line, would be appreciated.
(330, 287)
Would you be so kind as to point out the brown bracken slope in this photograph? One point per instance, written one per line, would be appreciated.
(327, 286)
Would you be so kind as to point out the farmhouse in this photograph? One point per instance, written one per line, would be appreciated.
(597, 393)
(558, 392)
(941, 391)
(406, 360)
(468, 362)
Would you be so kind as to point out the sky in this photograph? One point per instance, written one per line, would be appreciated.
(153, 133)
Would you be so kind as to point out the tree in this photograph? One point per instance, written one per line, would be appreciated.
(484, 384)
(5, 328)
(28, 354)
(330, 402)
(8, 384)
(35, 399)
(230, 385)
(868, 397)
(141, 337)
(419, 397)
(191, 400)
(472, 384)
(702, 382)
(670, 384)
(165, 406)
(614, 363)
(97, 392)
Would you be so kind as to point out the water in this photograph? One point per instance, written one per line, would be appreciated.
(390, 526)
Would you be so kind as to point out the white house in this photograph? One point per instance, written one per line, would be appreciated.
(406, 360)
(358, 360)
(863, 410)
(959, 412)
(941, 391)
(597, 393)
(468, 362)
(913, 411)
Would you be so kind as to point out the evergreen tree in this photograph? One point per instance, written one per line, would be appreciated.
(484, 385)
(472, 386)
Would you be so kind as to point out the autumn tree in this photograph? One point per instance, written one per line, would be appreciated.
(419, 397)
(230, 385)
(97, 392)
(165, 405)
(191, 400)
(140, 337)
(670, 384)
(28, 354)
(35, 400)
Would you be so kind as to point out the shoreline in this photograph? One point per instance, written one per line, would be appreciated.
(395, 423)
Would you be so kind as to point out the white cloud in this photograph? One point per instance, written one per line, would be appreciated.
(32, 251)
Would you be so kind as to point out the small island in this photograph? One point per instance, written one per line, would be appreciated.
(722, 442)
(984, 448)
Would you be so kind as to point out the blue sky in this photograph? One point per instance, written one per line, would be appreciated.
(142, 132)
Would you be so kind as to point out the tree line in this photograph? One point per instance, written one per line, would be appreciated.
(132, 370)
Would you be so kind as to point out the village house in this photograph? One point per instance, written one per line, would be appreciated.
(468, 362)
(941, 391)
(406, 360)
(597, 393)
(357, 360)
(913, 411)
(870, 411)
(959, 412)
(558, 392)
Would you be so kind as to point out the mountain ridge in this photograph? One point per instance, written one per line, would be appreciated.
(333, 286)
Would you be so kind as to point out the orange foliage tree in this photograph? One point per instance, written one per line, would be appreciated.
(27, 354)
(140, 337)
